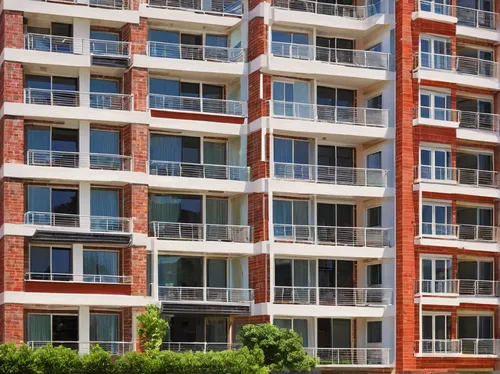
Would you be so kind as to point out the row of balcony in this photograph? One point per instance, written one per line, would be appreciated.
(458, 176)
(458, 287)
(457, 64)
(466, 347)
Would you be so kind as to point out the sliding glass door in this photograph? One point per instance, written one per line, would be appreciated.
(335, 223)
(291, 220)
(291, 159)
(335, 165)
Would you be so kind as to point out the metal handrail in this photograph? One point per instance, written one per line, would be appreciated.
(351, 356)
(331, 9)
(109, 4)
(102, 161)
(199, 105)
(199, 346)
(90, 223)
(438, 114)
(219, 7)
(195, 52)
(458, 64)
(205, 294)
(480, 121)
(113, 347)
(462, 176)
(333, 296)
(201, 232)
(78, 278)
(208, 171)
(438, 346)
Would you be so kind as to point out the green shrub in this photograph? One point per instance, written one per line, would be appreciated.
(56, 360)
(133, 363)
(97, 361)
(16, 360)
(152, 328)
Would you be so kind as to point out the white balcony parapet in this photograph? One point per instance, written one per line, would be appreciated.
(65, 44)
(369, 117)
(96, 100)
(219, 7)
(436, 8)
(78, 278)
(195, 52)
(331, 235)
(437, 114)
(75, 221)
(335, 56)
(199, 346)
(101, 161)
(331, 174)
(351, 356)
(439, 230)
(457, 64)
(480, 121)
(115, 348)
(466, 177)
(201, 232)
(198, 105)
(462, 287)
(111, 4)
(438, 346)
(330, 9)
(333, 296)
(205, 294)
(208, 171)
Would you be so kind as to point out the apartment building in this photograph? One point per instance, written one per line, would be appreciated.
(232, 162)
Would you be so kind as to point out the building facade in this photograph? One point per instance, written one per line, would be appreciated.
(317, 165)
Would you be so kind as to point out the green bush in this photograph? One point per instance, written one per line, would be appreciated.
(133, 363)
(58, 360)
(15, 361)
(97, 361)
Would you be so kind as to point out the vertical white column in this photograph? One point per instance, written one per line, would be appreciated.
(81, 36)
(271, 278)
(84, 144)
(84, 207)
(134, 327)
(84, 86)
(154, 264)
(77, 262)
(84, 328)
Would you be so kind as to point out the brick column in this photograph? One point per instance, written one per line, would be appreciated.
(257, 43)
(258, 216)
(11, 30)
(137, 36)
(135, 82)
(11, 323)
(135, 143)
(11, 201)
(259, 277)
(258, 168)
(129, 325)
(134, 265)
(11, 140)
(11, 82)
(258, 100)
(12, 262)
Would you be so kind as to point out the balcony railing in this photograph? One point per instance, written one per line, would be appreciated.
(110, 101)
(467, 177)
(480, 121)
(369, 117)
(438, 114)
(195, 52)
(457, 64)
(199, 346)
(206, 294)
(331, 174)
(351, 356)
(116, 348)
(331, 9)
(479, 347)
(208, 171)
(101, 161)
(333, 296)
(201, 105)
(462, 287)
(448, 231)
(221, 7)
(64, 44)
(475, 233)
(111, 4)
(79, 278)
(336, 56)
(439, 346)
(331, 235)
(91, 223)
(201, 232)
(437, 8)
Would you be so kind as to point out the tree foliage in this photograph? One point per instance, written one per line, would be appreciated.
(152, 328)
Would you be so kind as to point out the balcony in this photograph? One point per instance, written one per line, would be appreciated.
(205, 294)
(204, 171)
(115, 348)
(108, 4)
(78, 278)
(364, 67)
(458, 347)
(196, 52)
(97, 161)
(220, 7)
(201, 232)
(75, 222)
(438, 347)
(351, 357)
(198, 346)
(333, 296)
(461, 70)
(197, 105)
(436, 116)
(458, 287)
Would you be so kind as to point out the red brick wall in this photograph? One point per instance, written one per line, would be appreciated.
(247, 320)
(258, 168)
(136, 205)
(137, 35)
(11, 82)
(134, 264)
(12, 262)
(128, 315)
(258, 106)
(11, 323)
(11, 30)
(258, 274)
(258, 216)
(257, 43)
(135, 82)
(11, 201)
(11, 140)
(135, 143)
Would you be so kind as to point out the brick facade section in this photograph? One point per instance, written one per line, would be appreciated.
(135, 198)
(11, 140)
(134, 264)
(11, 30)
(128, 325)
(135, 82)
(135, 143)
(258, 216)
(259, 277)
(251, 320)
(11, 82)
(11, 323)
(12, 262)
(258, 168)
(137, 35)
(11, 201)
(258, 106)
(257, 43)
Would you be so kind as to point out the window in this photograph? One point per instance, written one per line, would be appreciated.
(48, 90)
(104, 328)
(106, 43)
(174, 271)
(106, 143)
(475, 223)
(374, 217)
(291, 99)
(63, 143)
(51, 263)
(291, 220)
(335, 273)
(374, 160)
(297, 324)
(291, 45)
(475, 333)
(167, 153)
(335, 223)
(374, 332)
(374, 102)
(45, 328)
(475, 168)
(175, 209)
(438, 7)
(104, 209)
(326, 50)
(481, 61)
(374, 177)
(436, 333)
(334, 105)
(51, 206)
(100, 266)
(436, 106)
(294, 281)
(374, 275)
(334, 163)
(435, 164)
(437, 220)
(476, 278)
(435, 53)
(334, 333)
(376, 48)
(484, 19)
(103, 94)
(291, 159)
(436, 275)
